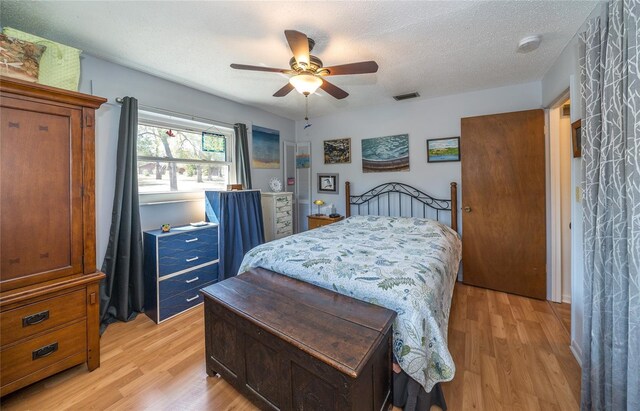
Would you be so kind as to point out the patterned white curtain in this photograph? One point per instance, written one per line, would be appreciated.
(611, 144)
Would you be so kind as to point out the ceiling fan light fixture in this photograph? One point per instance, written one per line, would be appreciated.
(305, 83)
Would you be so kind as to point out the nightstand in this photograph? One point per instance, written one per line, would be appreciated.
(316, 221)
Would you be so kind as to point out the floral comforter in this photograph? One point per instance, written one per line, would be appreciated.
(408, 265)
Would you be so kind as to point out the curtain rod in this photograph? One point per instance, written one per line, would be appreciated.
(189, 116)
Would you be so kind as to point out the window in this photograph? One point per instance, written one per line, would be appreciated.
(176, 155)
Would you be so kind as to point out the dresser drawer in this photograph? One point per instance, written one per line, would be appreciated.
(283, 208)
(33, 318)
(170, 264)
(280, 200)
(188, 241)
(183, 282)
(40, 352)
(283, 233)
(283, 223)
(181, 302)
(283, 214)
(186, 250)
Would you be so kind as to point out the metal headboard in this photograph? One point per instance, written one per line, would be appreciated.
(412, 194)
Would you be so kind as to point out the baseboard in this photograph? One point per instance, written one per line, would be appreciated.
(577, 352)
(566, 299)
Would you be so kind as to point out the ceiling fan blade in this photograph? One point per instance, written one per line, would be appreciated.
(333, 90)
(284, 90)
(260, 68)
(299, 44)
(362, 67)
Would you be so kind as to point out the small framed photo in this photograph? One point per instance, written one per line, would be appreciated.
(576, 138)
(440, 150)
(327, 183)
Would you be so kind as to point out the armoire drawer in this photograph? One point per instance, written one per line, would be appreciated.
(32, 355)
(33, 318)
(193, 279)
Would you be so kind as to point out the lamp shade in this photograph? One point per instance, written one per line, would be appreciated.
(318, 202)
(305, 83)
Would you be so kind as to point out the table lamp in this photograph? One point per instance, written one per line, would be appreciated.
(318, 203)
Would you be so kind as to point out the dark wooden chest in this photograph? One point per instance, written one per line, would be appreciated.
(289, 345)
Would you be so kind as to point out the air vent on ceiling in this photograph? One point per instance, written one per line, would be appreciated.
(406, 96)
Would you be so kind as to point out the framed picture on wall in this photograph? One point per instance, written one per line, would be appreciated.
(385, 154)
(576, 138)
(441, 150)
(337, 151)
(265, 147)
(327, 183)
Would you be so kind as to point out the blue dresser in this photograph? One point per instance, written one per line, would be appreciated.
(177, 265)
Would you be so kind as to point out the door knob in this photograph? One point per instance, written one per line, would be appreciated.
(467, 209)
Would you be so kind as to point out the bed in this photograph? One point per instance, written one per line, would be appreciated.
(404, 263)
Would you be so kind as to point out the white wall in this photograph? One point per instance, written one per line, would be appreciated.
(422, 120)
(110, 80)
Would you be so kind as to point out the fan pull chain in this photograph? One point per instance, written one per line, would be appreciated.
(306, 111)
(306, 108)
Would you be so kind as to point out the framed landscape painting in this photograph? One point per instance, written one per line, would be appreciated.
(440, 150)
(385, 154)
(337, 151)
(265, 147)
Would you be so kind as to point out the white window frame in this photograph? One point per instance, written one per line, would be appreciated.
(155, 119)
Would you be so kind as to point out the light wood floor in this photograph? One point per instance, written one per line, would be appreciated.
(511, 353)
(563, 312)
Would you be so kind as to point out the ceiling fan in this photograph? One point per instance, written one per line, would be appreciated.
(309, 74)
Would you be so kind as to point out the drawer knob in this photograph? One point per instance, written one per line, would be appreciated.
(192, 259)
(44, 351)
(192, 298)
(192, 280)
(34, 319)
(191, 240)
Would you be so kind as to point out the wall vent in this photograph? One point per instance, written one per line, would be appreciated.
(406, 96)
(566, 110)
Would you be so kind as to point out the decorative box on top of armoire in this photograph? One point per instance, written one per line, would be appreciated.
(49, 299)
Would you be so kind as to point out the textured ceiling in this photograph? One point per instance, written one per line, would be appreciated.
(435, 48)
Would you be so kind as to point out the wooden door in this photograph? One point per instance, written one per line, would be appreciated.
(503, 202)
(40, 197)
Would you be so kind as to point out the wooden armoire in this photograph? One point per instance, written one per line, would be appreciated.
(49, 299)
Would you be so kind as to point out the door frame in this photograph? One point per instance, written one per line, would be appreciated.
(285, 172)
(304, 146)
(554, 211)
